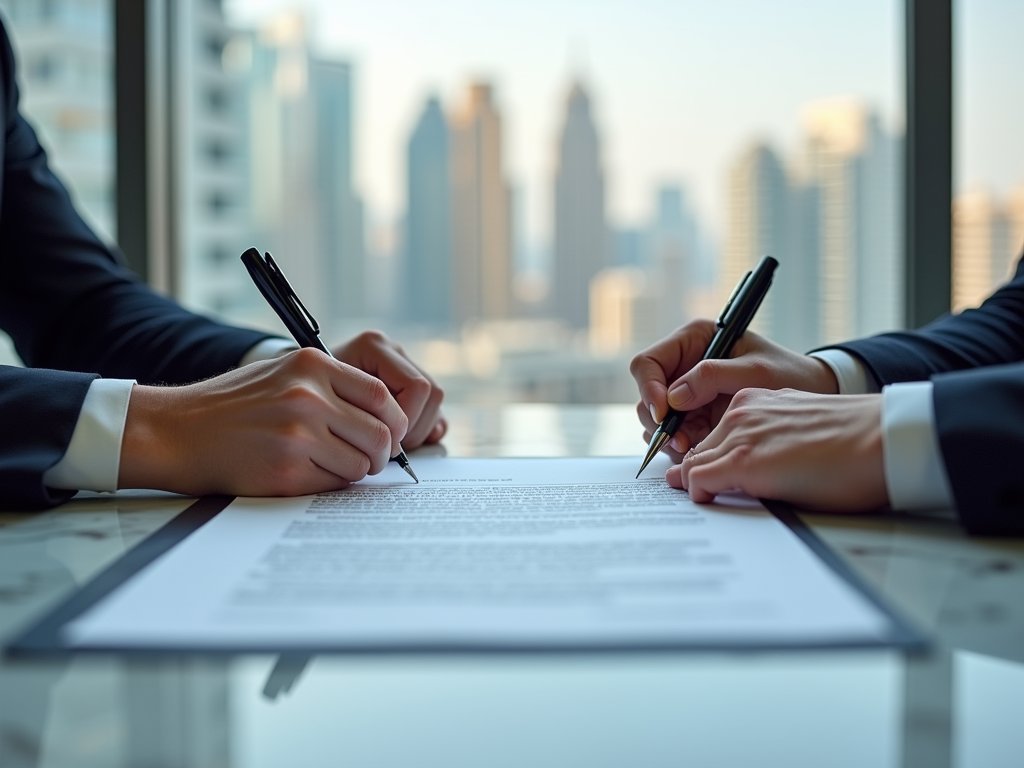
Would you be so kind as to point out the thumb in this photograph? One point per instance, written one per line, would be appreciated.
(711, 378)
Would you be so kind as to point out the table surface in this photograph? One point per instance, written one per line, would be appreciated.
(959, 705)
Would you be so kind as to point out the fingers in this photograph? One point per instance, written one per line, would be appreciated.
(361, 411)
(694, 429)
(438, 432)
(711, 378)
(369, 394)
(657, 365)
(357, 443)
(414, 390)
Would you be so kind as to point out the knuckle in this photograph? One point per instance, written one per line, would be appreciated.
(306, 359)
(436, 394)
(380, 437)
(377, 393)
(372, 338)
(420, 386)
(362, 467)
(743, 398)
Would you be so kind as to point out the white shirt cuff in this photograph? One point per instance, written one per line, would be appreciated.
(915, 475)
(853, 377)
(267, 349)
(93, 457)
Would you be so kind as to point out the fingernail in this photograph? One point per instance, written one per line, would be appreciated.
(654, 414)
(679, 395)
(675, 445)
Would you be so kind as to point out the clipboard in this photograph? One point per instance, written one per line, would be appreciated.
(47, 636)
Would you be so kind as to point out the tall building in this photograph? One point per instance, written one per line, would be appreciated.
(481, 212)
(581, 235)
(209, 177)
(987, 237)
(65, 58)
(672, 256)
(624, 315)
(427, 244)
(297, 113)
(854, 166)
(758, 225)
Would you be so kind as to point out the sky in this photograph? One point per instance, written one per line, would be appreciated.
(679, 87)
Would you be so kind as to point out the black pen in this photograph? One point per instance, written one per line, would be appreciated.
(732, 323)
(300, 323)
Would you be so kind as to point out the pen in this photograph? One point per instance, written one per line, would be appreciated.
(732, 323)
(300, 323)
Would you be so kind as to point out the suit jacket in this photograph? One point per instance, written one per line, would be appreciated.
(976, 362)
(74, 313)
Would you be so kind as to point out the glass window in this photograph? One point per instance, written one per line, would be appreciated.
(988, 208)
(65, 54)
(528, 193)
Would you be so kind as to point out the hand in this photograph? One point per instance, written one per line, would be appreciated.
(417, 393)
(819, 452)
(301, 423)
(672, 373)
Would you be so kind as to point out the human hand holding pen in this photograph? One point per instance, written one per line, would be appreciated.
(298, 424)
(672, 373)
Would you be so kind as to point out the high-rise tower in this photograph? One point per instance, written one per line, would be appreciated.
(581, 234)
(427, 245)
(758, 225)
(853, 164)
(481, 215)
(297, 109)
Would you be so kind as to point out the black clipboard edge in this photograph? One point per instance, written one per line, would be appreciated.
(905, 635)
(45, 637)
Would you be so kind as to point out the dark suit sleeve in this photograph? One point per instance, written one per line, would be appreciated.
(68, 304)
(979, 417)
(975, 362)
(992, 334)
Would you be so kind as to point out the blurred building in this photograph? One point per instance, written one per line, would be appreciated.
(481, 212)
(65, 58)
(581, 234)
(427, 244)
(854, 165)
(624, 311)
(988, 234)
(296, 109)
(759, 225)
(832, 217)
(672, 258)
(210, 179)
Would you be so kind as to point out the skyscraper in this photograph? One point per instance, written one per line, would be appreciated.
(758, 225)
(854, 166)
(983, 246)
(481, 212)
(340, 208)
(297, 112)
(65, 55)
(209, 178)
(427, 241)
(581, 235)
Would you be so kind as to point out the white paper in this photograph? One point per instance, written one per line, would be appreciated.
(486, 553)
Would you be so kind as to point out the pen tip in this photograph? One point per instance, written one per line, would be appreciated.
(412, 474)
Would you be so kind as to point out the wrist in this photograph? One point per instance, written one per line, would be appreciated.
(148, 456)
(821, 378)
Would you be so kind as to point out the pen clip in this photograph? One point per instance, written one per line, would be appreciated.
(289, 293)
(732, 297)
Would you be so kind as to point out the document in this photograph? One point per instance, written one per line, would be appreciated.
(486, 554)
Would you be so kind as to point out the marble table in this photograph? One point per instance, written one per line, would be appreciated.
(959, 705)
